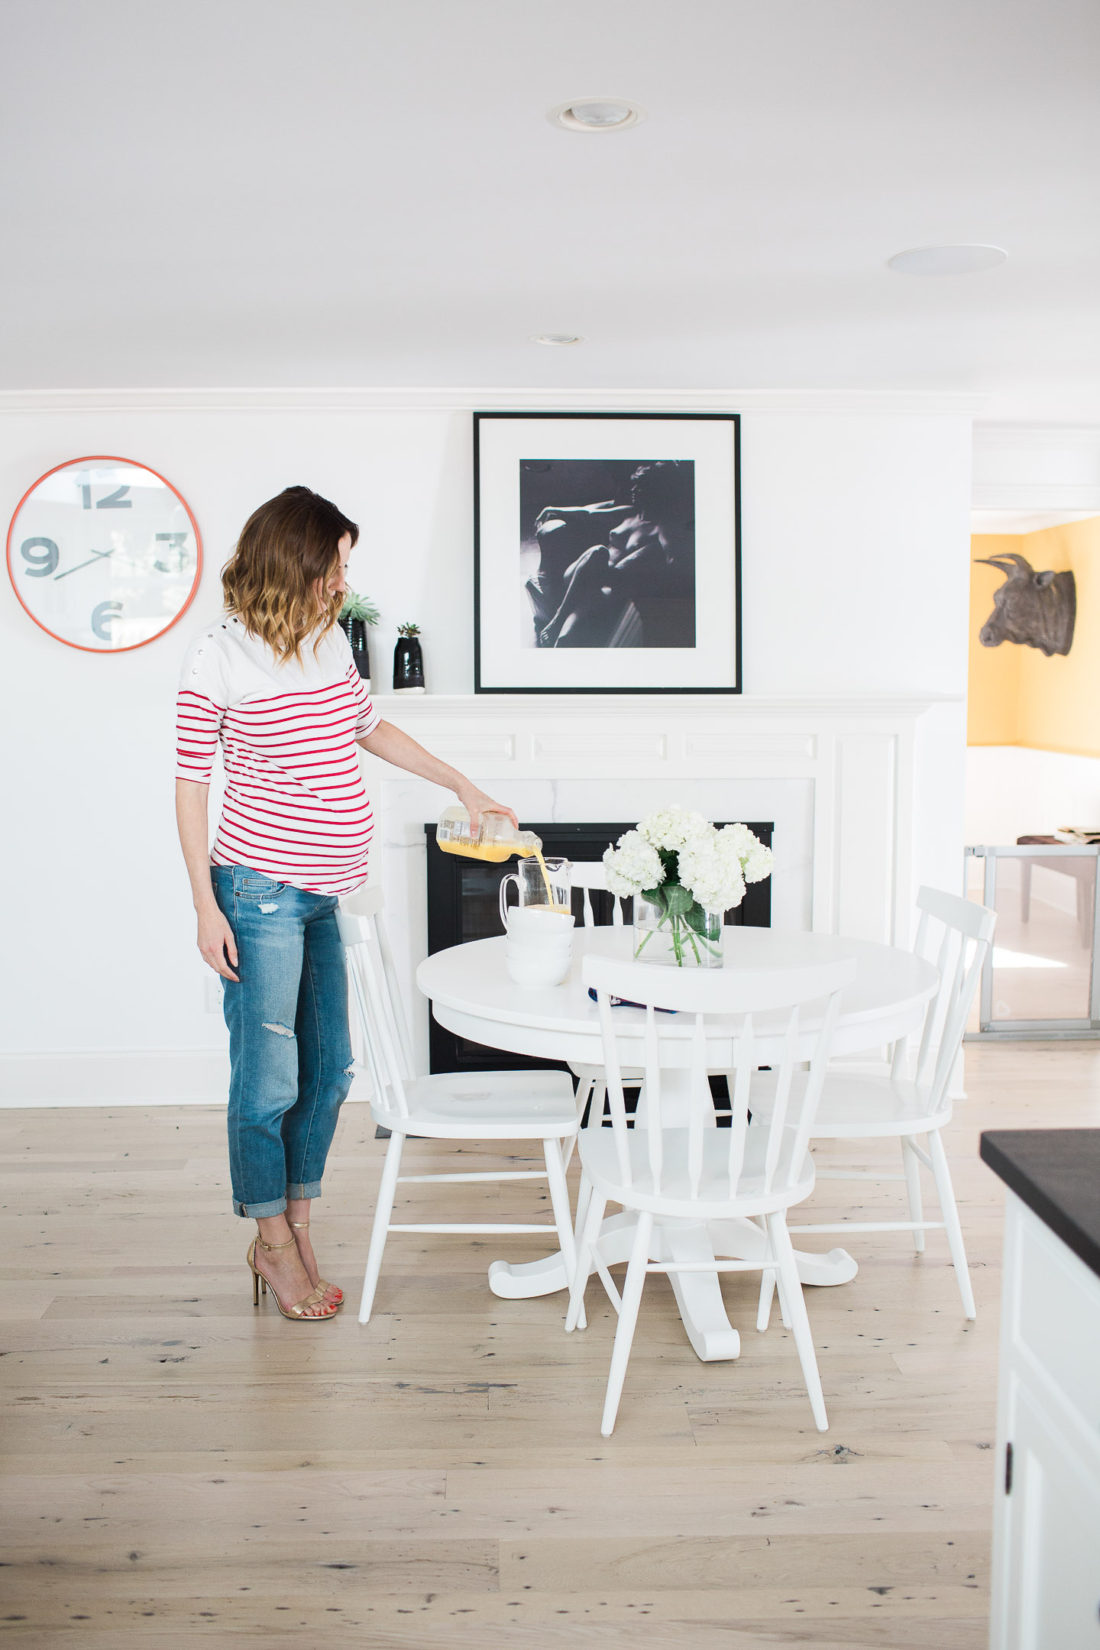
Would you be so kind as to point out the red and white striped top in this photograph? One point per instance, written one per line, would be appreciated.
(295, 806)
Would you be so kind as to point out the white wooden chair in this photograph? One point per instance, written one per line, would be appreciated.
(486, 1106)
(672, 1171)
(589, 875)
(957, 934)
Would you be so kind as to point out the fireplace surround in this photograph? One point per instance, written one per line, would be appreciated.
(462, 905)
(851, 785)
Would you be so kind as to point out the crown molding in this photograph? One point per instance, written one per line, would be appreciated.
(1010, 437)
(485, 399)
(1014, 522)
(1037, 469)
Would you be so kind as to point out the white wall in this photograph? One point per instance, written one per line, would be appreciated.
(855, 566)
(1014, 791)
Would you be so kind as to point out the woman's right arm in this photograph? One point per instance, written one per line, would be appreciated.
(215, 938)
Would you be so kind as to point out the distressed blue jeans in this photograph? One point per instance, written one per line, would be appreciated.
(289, 1048)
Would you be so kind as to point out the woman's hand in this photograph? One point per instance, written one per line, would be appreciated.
(216, 942)
(477, 803)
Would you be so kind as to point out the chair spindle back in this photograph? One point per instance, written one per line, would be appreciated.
(591, 875)
(729, 1004)
(372, 977)
(955, 934)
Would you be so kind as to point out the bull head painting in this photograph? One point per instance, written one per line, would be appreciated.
(1035, 609)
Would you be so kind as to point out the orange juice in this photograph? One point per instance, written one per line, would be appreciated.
(495, 853)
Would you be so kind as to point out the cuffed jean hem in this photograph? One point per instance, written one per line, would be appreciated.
(258, 1211)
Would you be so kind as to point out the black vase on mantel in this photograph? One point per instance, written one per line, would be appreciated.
(408, 666)
(356, 632)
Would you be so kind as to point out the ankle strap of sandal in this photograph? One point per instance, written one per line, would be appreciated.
(271, 1247)
(299, 1225)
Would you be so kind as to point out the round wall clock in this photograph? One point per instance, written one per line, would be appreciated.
(104, 554)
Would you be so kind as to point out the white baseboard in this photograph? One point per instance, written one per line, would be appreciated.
(155, 1077)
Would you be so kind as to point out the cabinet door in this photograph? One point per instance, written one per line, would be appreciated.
(1051, 1599)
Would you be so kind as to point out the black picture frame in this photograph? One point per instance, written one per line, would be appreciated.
(654, 609)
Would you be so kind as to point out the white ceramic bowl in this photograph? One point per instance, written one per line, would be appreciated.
(537, 974)
(545, 945)
(537, 921)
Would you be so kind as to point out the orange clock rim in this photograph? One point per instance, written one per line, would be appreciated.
(135, 464)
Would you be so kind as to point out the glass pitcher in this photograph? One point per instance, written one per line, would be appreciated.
(495, 840)
(541, 885)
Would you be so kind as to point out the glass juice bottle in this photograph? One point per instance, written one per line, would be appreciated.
(495, 840)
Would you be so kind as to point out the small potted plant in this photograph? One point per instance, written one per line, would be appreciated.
(408, 661)
(356, 615)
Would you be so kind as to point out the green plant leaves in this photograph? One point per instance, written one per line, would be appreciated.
(359, 607)
(696, 918)
(678, 901)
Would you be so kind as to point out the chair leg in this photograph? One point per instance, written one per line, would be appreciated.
(563, 1219)
(790, 1287)
(628, 1317)
(584, 1194)
(949, 1209)
(583, 1096)
(767, 1290)
(589, 1233)
(912, 1181)
(383, 1209)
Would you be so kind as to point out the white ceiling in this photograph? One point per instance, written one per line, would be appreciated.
(353, 193)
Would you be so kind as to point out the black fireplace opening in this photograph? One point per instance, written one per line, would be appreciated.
(463, 905)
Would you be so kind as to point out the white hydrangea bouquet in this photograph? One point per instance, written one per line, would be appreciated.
(684, 873)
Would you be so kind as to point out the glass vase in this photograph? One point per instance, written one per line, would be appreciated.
(688, 939)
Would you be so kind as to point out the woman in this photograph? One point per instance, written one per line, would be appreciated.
(276, 686)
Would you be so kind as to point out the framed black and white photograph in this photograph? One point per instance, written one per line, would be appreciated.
(607, 553)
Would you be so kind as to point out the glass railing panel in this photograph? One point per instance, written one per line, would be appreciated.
(1041, 967)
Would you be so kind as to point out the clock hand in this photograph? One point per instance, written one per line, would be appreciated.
(96, 555)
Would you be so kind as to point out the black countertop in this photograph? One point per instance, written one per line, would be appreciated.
(1056, 1172)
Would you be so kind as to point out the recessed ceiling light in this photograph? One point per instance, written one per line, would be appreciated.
(946, 260)
(596, 114)
(555, 340)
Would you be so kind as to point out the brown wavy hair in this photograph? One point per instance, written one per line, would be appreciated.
(270, 581)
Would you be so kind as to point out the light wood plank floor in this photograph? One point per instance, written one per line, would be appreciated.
(180, 1468)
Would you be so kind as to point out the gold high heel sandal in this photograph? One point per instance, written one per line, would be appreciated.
(297, 1312)
(326, 1288)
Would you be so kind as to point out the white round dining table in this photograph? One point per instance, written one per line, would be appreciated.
(472, 996)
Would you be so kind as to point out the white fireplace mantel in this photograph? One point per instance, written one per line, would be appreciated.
(733, 706)
(836, 775)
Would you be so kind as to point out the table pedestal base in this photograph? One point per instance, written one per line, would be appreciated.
(698, 1294)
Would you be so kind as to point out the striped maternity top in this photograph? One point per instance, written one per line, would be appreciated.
(295, 806)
